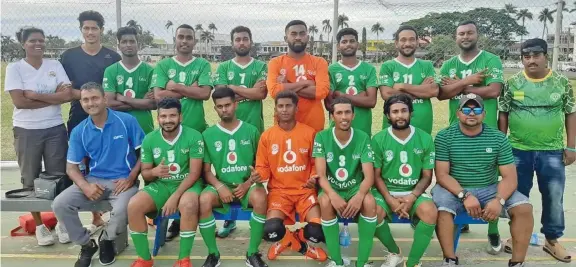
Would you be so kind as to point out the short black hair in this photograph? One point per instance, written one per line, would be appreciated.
(223, 93)
(170, 102)
(468, 22)
(185, 26)
(294, 23)
(126, 31)
(404, 28)
(239, 29)
(287, 94)
(25, 32)
(340, 100)
(92, 86)
(398, 98)
(535, 45)
(91, 15)
(346, 31)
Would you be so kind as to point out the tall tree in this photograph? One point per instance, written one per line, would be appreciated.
(343, 21)
(327, 28)
(364, 43)
(199, 27)
(545, 17)
(11, 50)
(207, 37)
(212, 27)
(523, 15)
(510, 9)
(377, 29)
(170, 26)
(53, 41)
(134, 24)
(313, 30)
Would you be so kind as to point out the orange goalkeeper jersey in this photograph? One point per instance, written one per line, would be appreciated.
(309, 67)
(285, 158)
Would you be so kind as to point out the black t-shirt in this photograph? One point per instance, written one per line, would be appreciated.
(82, 68)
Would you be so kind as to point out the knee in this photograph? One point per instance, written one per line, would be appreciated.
(369, 205)
(324, 202)
(274, 230)
(258, 199)
(206, 200)
(428, 213)
(60, 204)
(188, 204)
(521, 212)
(313, 232)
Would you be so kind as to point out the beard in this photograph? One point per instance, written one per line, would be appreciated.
(226, 118)
(349, 54)
(399, 127)
(241, 53)
(164, 128)
(470, 48)
(297, 49)
(409, 54)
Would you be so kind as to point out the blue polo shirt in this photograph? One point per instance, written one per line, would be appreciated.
(112, 149)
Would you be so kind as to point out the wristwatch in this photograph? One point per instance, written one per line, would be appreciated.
(501, 201)
(463, 194)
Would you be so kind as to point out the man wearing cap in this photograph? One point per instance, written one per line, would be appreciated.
(469, 155)
(537, 104)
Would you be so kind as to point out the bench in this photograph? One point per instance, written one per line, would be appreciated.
(236, 213)
(33, 204)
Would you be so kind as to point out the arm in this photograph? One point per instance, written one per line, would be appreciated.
(424, 90)
(490, 91)
(160, 93)
(193, 91)
(141, 104)
(442, 164)
(385, 82)
(570, 129)
(209, 176)
(258, 92)
(196, 169)
(504, 102)
(276, 86)
(74, 157)
(428, 166)
(75, 175)
(570, 111)
(115, 104)
(365, 100)
(423, 183)
(159, 81)
(147, 173)
(52, 99)
(135, 172)
(368, 181)
(262, 164)
(320, 163)
(321, 89)
(380, 185)
(21, 102)
(452, 89)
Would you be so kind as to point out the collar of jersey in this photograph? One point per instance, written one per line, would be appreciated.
(342, 146)
(537, 80)
(472, 60)
(175, 139)
(405, 141)
(109, 120)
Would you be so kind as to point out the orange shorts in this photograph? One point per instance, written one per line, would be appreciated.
(292, 204)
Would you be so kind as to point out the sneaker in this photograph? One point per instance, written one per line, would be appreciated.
(465, 229)
(450, 262)
(516, 264)
(494, 244)
(142, 263)
(211, 261)
(314, 253)
(44, 236)
(227, 229)
(255, 260)
(277, 248)
(345, 263)
(86, 253)
(183, 263)
(173, 230)
(62, 233)
(107, 251)
(417, 265)
(393, 260)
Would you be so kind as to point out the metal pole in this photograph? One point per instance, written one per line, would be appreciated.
(334, 32)
(557, 33)
(118, 14)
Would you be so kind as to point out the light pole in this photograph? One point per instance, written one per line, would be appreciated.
(335, 27)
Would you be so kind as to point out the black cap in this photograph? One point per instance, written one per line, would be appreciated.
(535, 45)
(470, 97)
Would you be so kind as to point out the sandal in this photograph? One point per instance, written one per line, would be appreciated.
(557, 251)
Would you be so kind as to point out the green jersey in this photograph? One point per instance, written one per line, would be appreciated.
(198, 71)
(343, 161)
(176, 154)
(134, 83)
(231, 152)
(394, 71)
(232, 73)
(402, 161)
(537, 109)
(457, 68)
(354, 81)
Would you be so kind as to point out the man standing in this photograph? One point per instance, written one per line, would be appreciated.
(231, 148)
(246, 76)
(407, 74)
(353, 79)
(127, 83)
(301, 73)
(404, 160)
(111, 140)
(469, 155)
(344, 163)
(537, 104)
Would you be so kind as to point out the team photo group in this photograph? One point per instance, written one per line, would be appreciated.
(501, 131)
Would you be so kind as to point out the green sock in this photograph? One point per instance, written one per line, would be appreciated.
(208, 230)
(493, 228)
(385, 236)
(256, 232)
(331, 234)
(186, 243)
(422, 237)
(366, 229)
(140, 240)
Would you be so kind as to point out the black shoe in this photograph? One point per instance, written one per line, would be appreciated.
(255, 260)
(515, 264)
(465, 228)
(450, 262)
(107, 251)
(173, 231)
(212, 261)
(86, 254)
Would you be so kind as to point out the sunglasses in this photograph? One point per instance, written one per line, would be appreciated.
(467, 111)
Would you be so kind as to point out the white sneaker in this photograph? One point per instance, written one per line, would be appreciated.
(44, 236)
(392, 260)
(62, 233)
(345, 261)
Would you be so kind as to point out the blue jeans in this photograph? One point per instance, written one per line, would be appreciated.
(551, 177)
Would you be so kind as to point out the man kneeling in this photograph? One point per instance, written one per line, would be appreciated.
(172, 162)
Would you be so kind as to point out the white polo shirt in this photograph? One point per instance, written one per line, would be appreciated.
(21, 75)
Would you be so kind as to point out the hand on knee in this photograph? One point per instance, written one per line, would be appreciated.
(369, 206)
(313, 232)
(274, 230)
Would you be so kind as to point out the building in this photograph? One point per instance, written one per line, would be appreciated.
(566, 44)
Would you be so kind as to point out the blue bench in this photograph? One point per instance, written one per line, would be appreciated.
(236, 213)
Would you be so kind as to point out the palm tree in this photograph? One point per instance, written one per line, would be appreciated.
(199, 27)
(206, 36)
(377, 29)
(343, 21)
(523, 15)
(545, 17)
(510, 9)
(212, 27)
(312, 29)
(170, 26)
(134, 24)
(327, 28)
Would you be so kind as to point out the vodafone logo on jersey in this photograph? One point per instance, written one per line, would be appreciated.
(173, 168)
(232, 158)
(129, 93)
(405, 170)
(341, 174)
(351, 90)
(289, 157)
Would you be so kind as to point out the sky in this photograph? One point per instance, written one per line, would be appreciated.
(266, 18)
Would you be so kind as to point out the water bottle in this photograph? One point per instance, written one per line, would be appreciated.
(537, 239)
(82, 168)
(345, 236)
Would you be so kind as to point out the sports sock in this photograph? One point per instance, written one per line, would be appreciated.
(493, 228)
(208, 230)
(331, 234)
(140, 240)
(186, 243)
(256, 232)
(366, 229)
(385, 236)
(422, 237)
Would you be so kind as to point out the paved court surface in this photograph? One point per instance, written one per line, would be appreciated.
(23, 251)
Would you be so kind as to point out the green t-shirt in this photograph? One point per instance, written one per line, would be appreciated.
(196, 70)
(456, 67)
(474, 160)
(537, 110)
(353, 81)
(232, 73)
(177, 153)
(343, 161)
(133, 83)
(394, 71)
(231, 152)
(402, 161)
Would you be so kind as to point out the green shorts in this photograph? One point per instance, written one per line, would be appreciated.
(160, 192)
(345, 194)
(380, 201)
(225, 207)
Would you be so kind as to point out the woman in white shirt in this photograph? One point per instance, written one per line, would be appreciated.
(38, 87)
